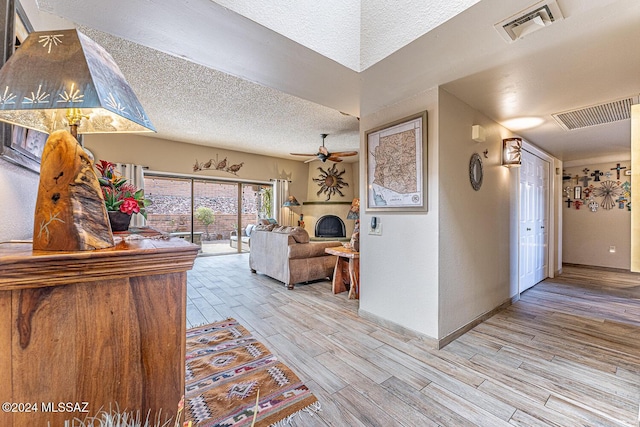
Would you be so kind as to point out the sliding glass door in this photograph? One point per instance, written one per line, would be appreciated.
(217, 215)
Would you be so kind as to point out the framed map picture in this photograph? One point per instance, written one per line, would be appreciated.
(395, 166)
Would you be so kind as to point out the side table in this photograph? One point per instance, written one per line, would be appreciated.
(352, 258)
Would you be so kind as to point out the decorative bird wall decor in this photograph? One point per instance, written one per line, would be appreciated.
(217, 164)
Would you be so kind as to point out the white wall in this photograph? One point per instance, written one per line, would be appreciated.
(588, 235)
(399, 270)
(18, 191)
(476, 261)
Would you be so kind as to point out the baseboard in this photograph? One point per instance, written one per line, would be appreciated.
(387, 324)
(442, 342)
(433, 342)
(597, 267)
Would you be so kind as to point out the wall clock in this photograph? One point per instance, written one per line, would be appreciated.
(475, 171)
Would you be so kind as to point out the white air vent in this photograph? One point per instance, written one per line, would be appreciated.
(532, 19)
(600, 114)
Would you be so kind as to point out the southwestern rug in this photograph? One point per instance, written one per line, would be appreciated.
(226, 368)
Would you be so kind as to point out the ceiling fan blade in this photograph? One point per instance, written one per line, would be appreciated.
(334, 158)
(345, 153)
(311, 160)
(301, 154)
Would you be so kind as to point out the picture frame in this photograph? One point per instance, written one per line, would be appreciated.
(577, 192)
(19, 145)
(395, 166)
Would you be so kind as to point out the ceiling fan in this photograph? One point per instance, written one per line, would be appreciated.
(323, 154)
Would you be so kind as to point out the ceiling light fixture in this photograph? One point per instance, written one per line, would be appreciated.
(522, 123)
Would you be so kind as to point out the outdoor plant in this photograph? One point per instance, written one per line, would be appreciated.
(119, 195)
(207, 217)
(266, 207)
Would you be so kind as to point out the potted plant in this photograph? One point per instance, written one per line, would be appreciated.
(207, 217)
(121, 198)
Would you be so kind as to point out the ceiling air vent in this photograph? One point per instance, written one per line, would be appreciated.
(597, 114)
(529, 20)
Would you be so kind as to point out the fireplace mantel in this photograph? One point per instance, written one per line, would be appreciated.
(326, 203)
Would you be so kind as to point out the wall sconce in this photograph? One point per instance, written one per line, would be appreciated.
(511, 152)
(477, 133)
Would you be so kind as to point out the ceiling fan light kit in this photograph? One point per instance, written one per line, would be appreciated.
(324, 154)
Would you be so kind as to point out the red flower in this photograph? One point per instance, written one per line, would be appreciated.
(129, 206)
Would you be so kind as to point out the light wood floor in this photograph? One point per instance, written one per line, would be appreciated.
(566, 354)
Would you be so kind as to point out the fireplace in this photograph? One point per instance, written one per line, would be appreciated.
(330, 226)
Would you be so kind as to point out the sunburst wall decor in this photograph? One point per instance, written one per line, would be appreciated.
(609, 191)
(330, 181)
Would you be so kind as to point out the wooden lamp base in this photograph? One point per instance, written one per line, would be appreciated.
(70, 212)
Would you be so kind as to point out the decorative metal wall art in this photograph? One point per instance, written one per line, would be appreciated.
(596, 175)
(609, 191)
(618, 168)
(585, 180)
(219, 165)
(475, 171)
(330, 181)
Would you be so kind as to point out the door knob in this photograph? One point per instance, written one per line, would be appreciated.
(528, 229)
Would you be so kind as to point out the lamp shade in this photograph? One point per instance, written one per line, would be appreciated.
(55, 74)
(291, 201)
(354, 211)
(511, 152)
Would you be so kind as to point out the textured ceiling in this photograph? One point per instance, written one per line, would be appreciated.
(187, 101)
(354, 33)
(329, 27)
(588, 58)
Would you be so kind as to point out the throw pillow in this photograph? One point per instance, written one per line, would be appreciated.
(300, 235)
(249, 229)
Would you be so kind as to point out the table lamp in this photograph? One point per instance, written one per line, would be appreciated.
(62, 83)
(354, 210)
(354, 213)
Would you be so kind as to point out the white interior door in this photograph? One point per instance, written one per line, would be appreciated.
(534, 220)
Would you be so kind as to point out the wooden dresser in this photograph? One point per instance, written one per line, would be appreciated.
(84, 331)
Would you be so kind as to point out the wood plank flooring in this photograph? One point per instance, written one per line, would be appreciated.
(566, 354)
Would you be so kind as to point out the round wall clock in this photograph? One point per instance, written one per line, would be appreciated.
(475, 171)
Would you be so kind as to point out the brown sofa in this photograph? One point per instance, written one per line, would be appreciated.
(285, 254)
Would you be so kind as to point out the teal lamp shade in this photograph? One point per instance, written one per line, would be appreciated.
(291, 201)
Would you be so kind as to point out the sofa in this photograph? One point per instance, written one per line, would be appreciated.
(287, 255)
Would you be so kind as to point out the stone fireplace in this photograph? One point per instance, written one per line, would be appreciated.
(330, 226)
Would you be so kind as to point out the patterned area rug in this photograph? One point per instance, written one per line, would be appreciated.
(226, 367)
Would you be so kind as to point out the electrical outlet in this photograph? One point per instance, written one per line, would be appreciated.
(612, 249)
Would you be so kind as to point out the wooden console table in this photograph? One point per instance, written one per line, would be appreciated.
(347, 260)
(104, 327)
